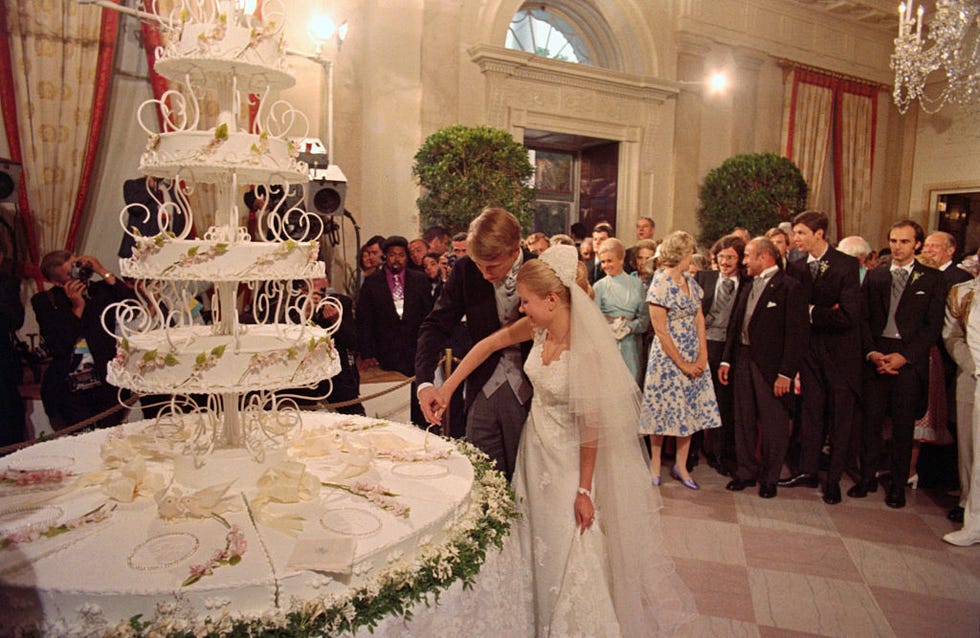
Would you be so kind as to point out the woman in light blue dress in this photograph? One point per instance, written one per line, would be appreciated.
(678, 398)
(621, 299)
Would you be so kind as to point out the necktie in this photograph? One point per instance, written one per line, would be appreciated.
(757, 285)
(900, 277)
(814, 268)
(722, 304)
(397, 288)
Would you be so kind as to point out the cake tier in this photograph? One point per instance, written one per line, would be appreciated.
(191, 359)
(343, 541)
(212, 156)
(160, 257)
(211, 53)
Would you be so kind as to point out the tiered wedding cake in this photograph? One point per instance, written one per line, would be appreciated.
(232, 507)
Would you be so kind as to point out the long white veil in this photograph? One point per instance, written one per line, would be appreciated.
(649, 597)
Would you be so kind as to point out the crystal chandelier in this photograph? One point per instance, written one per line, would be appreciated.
(954, 29)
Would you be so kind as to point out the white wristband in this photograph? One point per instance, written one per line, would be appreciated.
(582, 490)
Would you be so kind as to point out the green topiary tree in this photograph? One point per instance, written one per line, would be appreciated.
(755, 190)
(465, 169)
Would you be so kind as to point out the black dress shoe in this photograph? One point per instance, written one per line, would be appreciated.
(955, 514)
(799, 480)
(767, 490)
(831, 493)
(737, 485)
(861, 488)
(896, 497)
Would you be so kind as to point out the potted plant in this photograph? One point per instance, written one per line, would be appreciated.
(464, 169)
(756, 191)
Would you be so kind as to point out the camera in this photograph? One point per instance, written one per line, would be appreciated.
(80, 271)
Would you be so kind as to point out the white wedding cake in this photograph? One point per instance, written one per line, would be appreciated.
(232, 510)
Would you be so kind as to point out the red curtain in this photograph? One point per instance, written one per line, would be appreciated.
(853, 158)
(107, 44)
(103, 79)
(853, 154)
(9, 106)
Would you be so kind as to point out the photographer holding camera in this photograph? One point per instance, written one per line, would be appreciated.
(69, 315)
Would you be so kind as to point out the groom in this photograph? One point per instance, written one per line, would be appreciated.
(483, 288)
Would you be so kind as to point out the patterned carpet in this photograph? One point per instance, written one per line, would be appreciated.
(794, 566)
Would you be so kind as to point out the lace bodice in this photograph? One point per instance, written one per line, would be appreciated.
(550, 402)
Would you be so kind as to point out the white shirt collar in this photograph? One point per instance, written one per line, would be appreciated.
(769, 272)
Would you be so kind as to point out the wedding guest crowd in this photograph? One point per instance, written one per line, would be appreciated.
(779, 350)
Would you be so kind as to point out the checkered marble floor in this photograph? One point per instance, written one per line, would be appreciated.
(794, 566)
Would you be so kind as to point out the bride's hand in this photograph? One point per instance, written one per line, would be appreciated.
(584, 512)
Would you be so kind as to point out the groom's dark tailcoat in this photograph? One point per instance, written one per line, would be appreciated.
(919, 318)
(777, 333)
(467, 293)
(830, 375)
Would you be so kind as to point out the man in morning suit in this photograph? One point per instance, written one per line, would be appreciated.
(903, 317)
(720, 289)
(483, 287)
(941, 247)
(391, 306)
(830, 377)
(766, 339)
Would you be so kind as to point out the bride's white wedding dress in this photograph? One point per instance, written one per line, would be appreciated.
(569, 570)
(615, 579)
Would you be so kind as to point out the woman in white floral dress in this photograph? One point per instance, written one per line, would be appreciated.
(678, 398)
(590, 530)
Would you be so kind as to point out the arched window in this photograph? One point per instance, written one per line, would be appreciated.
(568, 30)
(546, 32)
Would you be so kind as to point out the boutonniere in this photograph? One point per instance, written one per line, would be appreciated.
(915, 275)
(824, 267)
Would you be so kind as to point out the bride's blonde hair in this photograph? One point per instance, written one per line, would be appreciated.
(540, 279)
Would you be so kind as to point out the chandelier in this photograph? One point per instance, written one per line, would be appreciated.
(954, 30)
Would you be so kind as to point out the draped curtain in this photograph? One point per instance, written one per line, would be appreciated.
(854, 153)
(808, 133)
(57, 70)
(821, 108)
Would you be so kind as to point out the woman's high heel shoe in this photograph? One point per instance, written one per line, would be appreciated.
(913, 481)
(688, 483)
(655, 481)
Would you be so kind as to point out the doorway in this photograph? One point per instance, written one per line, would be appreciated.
(958, 213)
(576, 178)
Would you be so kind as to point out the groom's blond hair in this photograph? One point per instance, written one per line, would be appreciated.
(493, 234)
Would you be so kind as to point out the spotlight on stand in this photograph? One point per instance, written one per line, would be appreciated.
(326, 191)
(327, 188)
(9, 180)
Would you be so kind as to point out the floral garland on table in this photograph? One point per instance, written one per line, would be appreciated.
(392, 591)
(32, 533)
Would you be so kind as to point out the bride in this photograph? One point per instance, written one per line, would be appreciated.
(590, 529)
